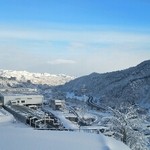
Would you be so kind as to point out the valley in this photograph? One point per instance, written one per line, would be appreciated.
(114, 104)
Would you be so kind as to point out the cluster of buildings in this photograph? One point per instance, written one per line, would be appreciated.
(57, 116)
(11, 98)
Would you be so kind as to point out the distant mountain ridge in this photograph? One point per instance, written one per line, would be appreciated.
(36, 78)
(131, 84)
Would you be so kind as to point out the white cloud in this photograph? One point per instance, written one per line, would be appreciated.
(61, 61)
(78, 37)
(83, 52)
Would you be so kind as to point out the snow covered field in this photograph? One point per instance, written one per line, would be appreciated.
(14, 136)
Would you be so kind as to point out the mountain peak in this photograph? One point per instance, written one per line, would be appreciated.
(36, 78)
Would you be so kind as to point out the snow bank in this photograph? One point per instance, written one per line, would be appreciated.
(5, 116)
(13, 137)
(28, 139)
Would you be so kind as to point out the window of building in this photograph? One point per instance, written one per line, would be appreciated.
(13, 102)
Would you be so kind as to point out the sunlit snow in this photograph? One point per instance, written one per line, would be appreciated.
(14, 136)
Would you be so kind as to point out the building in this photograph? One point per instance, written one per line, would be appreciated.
(71, 117)
(19, 99)
(57, 104)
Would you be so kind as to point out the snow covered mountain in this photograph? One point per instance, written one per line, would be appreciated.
(36, 78)
(132, 85)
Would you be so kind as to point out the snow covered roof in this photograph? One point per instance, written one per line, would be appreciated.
(14, 94)
(58, 101)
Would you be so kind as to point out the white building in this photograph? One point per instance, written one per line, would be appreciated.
(57, 104)
(19, 99)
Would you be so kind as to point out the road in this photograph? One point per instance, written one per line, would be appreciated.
(91, 103)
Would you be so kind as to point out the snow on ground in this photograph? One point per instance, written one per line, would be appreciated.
(72, 96)
(66, 123)
(5, 116)
(29, 139)
(25, 138)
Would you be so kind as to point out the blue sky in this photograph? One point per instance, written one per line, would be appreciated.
(72, 36)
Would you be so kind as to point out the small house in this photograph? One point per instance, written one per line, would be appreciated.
(57, 104)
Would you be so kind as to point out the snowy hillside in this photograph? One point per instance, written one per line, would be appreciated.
(36, 78)
(23, 138)
(132, 85)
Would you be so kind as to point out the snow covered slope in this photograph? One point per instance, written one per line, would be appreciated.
(5, 117)
(14, 137)
(132, 85)
(36, 78)
(27, 139)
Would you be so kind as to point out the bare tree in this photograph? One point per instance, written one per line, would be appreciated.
(127, 126)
